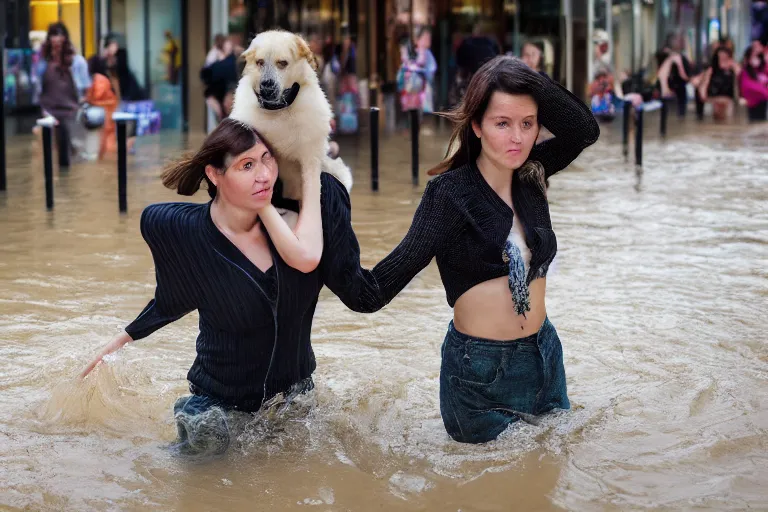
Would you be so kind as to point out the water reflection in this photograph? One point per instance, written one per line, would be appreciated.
(657, 292)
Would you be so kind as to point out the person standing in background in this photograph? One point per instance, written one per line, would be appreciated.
(217, 51)
(220, 77)
(533, 55)
(349, 94)
(474, 51)
(106, 60)
(427, 62)
(62, 79)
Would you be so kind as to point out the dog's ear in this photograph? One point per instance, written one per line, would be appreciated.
(249, 55)
(242, 60)
(305, 52)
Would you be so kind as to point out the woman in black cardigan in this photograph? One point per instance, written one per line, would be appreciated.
(255, 307)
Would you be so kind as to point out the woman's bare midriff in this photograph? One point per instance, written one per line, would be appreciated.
(487, 311)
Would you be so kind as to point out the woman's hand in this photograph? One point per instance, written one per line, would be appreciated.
(113, 346)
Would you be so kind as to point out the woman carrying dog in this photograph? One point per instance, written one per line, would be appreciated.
(255, 309)
(486, 220)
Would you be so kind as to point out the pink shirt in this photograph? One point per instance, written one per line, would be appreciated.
(754, 91)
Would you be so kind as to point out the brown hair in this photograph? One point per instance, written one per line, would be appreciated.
(505, 74)
(228, 139)
(67, 55)
(219, 40)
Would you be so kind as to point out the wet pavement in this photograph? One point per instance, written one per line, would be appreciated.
(658, 292)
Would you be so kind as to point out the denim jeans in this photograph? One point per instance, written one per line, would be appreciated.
(202, 420)
(201, 423)
(486, 385)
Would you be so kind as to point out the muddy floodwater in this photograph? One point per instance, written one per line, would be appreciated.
(659, 292)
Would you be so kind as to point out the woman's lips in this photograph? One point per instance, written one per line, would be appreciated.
(514, 151)
(262, 192)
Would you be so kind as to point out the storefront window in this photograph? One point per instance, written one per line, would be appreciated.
(165, 60)
(153, 29)
(45, 12)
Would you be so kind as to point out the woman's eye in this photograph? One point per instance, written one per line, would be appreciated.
(267, 157)
(527, 124)
(247, 166)
(502, 124)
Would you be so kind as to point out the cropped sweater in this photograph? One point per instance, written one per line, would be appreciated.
(463, 223)
(253, 342)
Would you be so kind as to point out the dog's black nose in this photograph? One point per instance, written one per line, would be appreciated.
(269, 90)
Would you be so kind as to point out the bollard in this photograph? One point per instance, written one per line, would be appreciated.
(415, 146)
(664, 109)
(2, 117)
(48, 124)
(122, 118)
(373, 96)
(625, 129)
(639, 137)
(375, 149)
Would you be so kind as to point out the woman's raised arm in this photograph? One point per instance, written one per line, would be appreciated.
(302, 247)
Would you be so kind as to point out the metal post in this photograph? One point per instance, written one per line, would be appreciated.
(415, 146)
(664, 109)
(122, 164)
(639, 137)
(3, 184)
(568, 15)
(122, 119)
(625, 129)
(48, 124)
(375, 149)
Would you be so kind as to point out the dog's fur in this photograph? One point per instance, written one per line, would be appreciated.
(297, 133)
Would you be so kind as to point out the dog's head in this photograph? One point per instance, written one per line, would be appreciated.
(277, 65)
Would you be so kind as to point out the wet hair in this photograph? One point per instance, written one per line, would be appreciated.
(67, 48)
(748, 68)
(716, 56)
(98, 65)
(229, 139)
(110, 39)
(503, 74)
(328, 50)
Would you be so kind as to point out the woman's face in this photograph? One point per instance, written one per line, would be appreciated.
(532, 56)
(111, 49)
(425, 41)
(249, 179)
(57, 41)
(724, 59)
(508, 129)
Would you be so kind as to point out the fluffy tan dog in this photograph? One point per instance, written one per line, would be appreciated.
(279, 95)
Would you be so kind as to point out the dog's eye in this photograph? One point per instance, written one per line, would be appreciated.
(282, 64)
(260, 62)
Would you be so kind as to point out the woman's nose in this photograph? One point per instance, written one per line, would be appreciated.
(262, 173)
